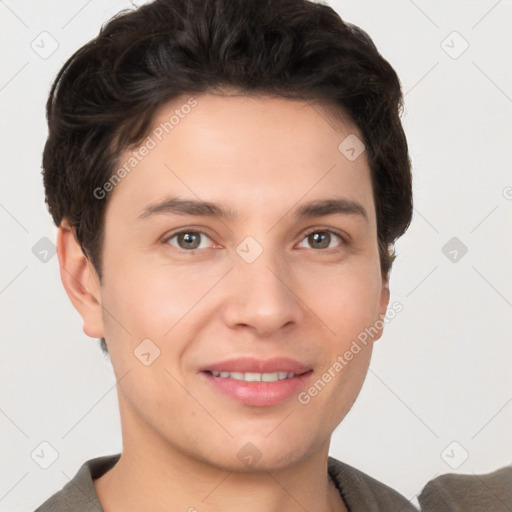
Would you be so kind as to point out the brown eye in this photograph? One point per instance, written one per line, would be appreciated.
(188, 240)
(322, 239)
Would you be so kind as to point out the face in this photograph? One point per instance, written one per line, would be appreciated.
(224, 330)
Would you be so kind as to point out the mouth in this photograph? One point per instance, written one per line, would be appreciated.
(258, 383)
(254, 376)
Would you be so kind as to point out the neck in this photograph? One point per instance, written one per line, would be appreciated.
(153, 475)
(123, 489)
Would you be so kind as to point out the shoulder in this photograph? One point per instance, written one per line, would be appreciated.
(491, 492)
(79, 495)
(362, 493)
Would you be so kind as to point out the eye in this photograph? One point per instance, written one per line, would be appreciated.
(190, 240)
(321, 238)
(187, 240)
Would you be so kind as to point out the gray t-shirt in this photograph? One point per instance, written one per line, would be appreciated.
(361, 493)
(469, 493)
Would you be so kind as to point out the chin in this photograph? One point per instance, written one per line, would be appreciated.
(260, 454)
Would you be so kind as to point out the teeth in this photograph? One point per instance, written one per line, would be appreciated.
(255, 376)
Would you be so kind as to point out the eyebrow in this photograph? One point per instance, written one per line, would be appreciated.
(319, 208)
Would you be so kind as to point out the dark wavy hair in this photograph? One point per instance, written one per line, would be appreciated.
(104, 98)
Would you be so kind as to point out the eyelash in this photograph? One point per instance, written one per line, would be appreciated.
(331, 231)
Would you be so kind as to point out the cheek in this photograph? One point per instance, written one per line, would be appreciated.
(347, 304)
(346, 301)
(151, 299)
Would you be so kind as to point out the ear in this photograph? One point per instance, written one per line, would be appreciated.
(383, 306)
(80, 281)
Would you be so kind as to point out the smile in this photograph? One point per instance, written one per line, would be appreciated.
(257, 382)
(254, 376)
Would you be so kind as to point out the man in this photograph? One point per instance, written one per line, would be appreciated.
(228, 179)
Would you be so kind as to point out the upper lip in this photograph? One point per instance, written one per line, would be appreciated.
(251, 364)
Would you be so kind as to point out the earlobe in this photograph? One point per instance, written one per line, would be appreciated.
(80, 281)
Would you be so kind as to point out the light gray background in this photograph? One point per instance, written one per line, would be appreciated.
(440, 374)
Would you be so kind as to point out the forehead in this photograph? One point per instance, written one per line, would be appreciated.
(260, 151)
(232, 106)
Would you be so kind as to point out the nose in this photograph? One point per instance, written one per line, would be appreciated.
(263, 296)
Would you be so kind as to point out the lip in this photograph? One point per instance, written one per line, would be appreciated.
(258, 394)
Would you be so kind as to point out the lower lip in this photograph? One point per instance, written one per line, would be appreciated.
(259, 394)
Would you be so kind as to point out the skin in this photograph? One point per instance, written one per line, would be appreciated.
(262, 157)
